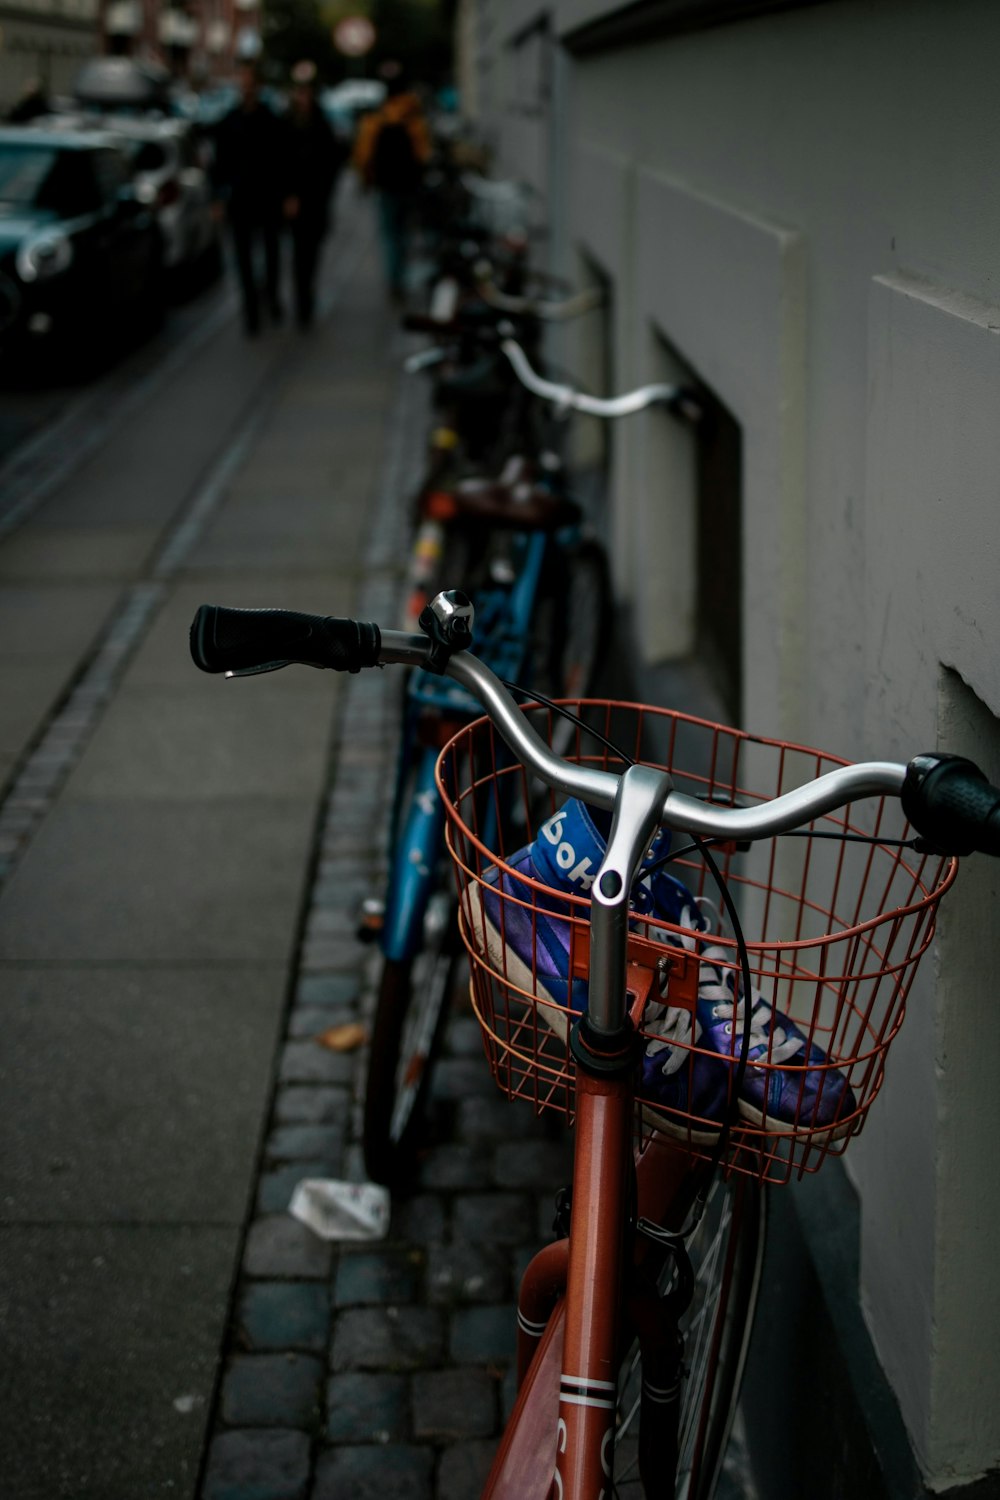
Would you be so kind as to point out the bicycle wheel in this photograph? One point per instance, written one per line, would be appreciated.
(726, 1251)
(570, 628)
(407, 1034)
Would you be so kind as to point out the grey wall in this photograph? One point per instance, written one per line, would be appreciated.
(804, 207)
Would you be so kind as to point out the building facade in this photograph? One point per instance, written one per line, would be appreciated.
(46, 40)
(791, 205)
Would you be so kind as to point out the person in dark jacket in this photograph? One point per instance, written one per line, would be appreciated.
(315, 159)
(251, 184)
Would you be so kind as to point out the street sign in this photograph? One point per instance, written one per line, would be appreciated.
(354, 36)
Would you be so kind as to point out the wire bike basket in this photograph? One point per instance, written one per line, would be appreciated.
(835, 919)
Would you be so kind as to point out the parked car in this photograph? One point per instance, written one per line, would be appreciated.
(171, 174)
(78, 249)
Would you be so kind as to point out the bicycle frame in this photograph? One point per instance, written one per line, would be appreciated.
(417, 828)
(602, 1181)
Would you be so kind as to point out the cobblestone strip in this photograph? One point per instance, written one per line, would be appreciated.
(385, 1370)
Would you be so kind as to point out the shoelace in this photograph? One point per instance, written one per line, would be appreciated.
(672, 1024)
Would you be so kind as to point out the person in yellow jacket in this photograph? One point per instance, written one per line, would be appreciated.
(391, 150)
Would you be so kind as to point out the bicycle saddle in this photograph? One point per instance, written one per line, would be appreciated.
(518, 502)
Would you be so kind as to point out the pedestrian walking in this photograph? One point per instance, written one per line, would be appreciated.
(391, 151)
(251, 182)
(315, 160)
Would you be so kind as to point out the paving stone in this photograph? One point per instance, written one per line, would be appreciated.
(464, 1468)
(494, 1118)
(362, 1408)
(455, 1078)
(492, 1218)
(312, 1104)
(547, 1164)
(283, 1315)
(303, 1141)
(464, 1037)
(308, 1062)
(467, 1273)
(449, 1405)
(252, 1465)
(357, 844)
(279, 1246)
(275, 1187)
(272, 1390)
(420, 1219)
(483, 1335)
(349, 815)
(335, 891)
(330, 922)
(392, 1472)
(328, 952)
(326, 989)
(396, 1339)
(377, 1276)
(308, 1022)
(457, 1166)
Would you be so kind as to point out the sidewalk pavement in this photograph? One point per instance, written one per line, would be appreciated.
(181, 861)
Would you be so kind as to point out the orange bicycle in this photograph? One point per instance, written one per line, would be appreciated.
(697, 1066)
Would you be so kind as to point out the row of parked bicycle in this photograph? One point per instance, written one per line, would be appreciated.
(606, 857)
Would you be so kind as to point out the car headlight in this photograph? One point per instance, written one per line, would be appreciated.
(44, 256)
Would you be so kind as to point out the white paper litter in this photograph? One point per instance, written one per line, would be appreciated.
(342, 1210)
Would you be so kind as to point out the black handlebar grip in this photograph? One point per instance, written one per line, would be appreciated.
(248, 640)
(952, 805)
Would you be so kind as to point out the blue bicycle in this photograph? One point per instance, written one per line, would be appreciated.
(541, 600)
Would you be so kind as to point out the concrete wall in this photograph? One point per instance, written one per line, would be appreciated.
(802, 207)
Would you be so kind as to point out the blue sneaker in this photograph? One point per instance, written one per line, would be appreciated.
(799, 1088)
(529, 947)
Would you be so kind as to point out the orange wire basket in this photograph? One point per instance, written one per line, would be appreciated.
(834, 930)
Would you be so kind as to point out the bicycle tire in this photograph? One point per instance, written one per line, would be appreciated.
(411, 1012)
(717, 1329)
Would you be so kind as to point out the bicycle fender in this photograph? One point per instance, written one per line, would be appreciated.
(414, 868)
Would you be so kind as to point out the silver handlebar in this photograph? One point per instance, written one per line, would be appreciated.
(565, 397)
(681, 812)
